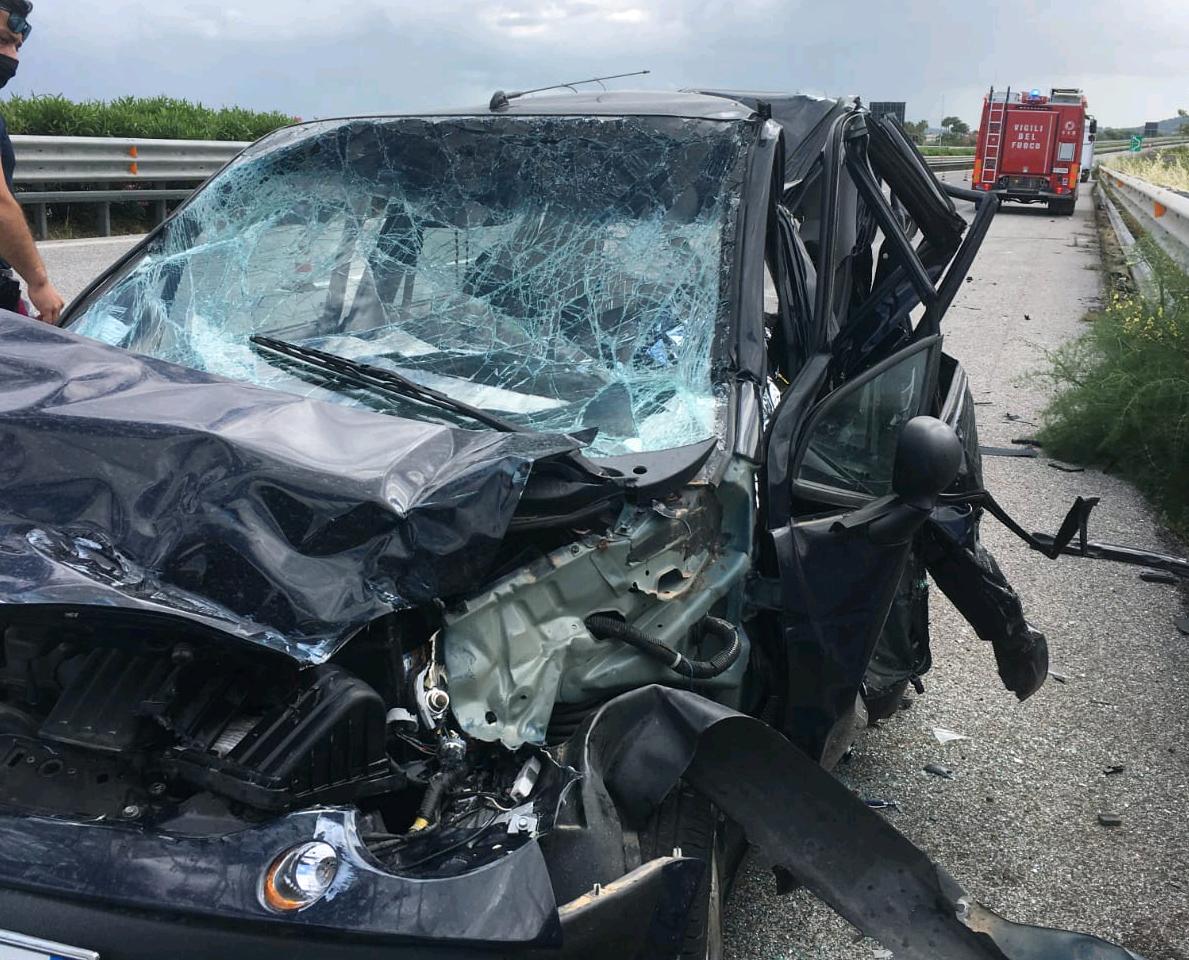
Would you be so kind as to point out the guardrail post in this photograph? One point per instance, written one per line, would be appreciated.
(118, 161)
(162, 211)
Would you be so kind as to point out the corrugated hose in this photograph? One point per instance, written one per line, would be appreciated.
(609, 628)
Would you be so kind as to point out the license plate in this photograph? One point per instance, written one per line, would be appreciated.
(17, 946)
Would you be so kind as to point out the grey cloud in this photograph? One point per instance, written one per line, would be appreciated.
(396, 57)
(517, 20)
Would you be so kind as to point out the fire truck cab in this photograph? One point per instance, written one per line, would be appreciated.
(1030, 146)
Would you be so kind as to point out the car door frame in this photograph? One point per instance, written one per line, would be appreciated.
(824, 654)
(835, 581)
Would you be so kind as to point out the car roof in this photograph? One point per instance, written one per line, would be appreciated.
(612, 103)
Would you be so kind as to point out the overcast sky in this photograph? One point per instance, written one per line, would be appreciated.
(1132, 58)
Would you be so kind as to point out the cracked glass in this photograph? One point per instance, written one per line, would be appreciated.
(852, 438)
(561, 272)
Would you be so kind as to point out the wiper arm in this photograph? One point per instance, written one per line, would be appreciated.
(382, 381)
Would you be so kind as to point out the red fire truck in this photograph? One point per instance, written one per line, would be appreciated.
(1030, 146)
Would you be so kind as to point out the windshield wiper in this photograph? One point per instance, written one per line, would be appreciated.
(382, 381)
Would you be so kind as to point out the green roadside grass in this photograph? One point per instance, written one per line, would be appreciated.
(1168, 167)
(1122, 391)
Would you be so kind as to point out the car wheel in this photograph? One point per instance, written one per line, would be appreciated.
(689, 822)
(884, 704)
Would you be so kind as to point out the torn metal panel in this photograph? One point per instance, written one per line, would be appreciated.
(519, 648)
(1178, 566)
(903, 650)
(642, 743)
(950, 546)
(129, 483)
(805, 120)
(562, 272)
(969, 576)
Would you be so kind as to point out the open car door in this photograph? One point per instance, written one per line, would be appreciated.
(863, 235)
(864, 469)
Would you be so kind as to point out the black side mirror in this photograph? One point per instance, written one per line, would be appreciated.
(928, 457)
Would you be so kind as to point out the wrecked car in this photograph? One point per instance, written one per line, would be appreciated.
(453, 535)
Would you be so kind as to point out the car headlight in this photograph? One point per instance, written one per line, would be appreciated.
(300, 876)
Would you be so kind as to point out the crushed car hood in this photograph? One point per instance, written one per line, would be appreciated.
(133, 484)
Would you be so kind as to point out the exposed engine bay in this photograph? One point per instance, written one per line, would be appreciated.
(115, 716)
(139, 724)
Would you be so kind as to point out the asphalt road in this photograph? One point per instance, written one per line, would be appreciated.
(72, 264)
(1018, 826)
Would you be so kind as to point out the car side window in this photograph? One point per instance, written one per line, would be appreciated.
(851, 444)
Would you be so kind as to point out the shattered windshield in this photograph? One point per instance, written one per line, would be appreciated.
(561, 272)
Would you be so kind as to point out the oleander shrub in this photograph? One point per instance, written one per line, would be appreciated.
(164, 118)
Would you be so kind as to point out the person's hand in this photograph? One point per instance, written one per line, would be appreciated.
(47, 301)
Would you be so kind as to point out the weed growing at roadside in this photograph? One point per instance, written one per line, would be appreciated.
(1122, 396)
(1168, 167)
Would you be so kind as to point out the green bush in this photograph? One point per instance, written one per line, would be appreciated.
(1123, 391)
(147, 117)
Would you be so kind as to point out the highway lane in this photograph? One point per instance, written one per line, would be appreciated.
(72, 264)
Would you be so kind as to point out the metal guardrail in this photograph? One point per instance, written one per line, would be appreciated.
(940, 164)
(1139, 268)
(1149, 145)
(39, 200)
(1112, 146)
(137, 164)
(1162, 213)
(118, 160)
(1103, 147)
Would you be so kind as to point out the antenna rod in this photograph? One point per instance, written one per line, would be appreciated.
(499, 99)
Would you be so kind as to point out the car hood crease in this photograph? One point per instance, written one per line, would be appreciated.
(133, 484)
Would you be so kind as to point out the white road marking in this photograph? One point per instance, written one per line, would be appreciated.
(128, 239)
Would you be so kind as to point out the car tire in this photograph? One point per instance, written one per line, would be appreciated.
(689, 822)
(1062, 208)
(884, 704)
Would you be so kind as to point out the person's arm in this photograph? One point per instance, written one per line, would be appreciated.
(18, 248)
